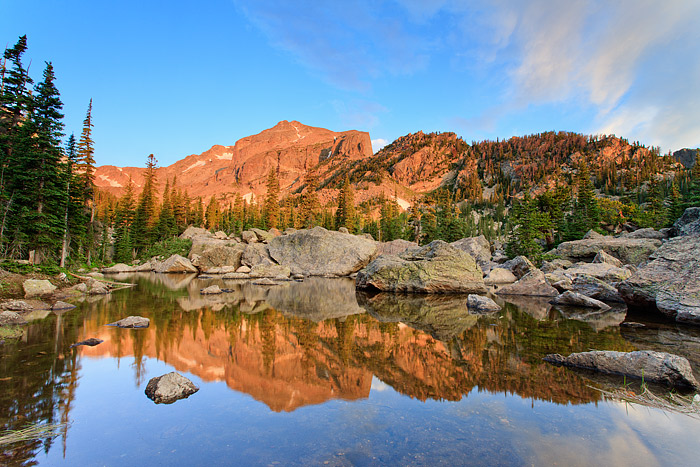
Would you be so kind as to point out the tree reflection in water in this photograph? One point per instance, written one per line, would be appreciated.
(300, 344)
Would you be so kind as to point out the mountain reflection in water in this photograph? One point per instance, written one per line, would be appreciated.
(304, 343)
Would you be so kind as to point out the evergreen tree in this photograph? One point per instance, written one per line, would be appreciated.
(675, 207)
(123, 223)
(145, 216)
(271, 209)
(529, 225)
(310, 205)
(213, 213)
(166, 220)
(585, 213)
(86, 157)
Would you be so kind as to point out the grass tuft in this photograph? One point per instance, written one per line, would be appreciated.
(31, 433)
(672, 402)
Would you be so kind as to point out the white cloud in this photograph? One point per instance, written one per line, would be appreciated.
(378, 144)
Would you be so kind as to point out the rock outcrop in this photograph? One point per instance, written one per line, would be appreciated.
(174, 265)
(208, 253)
(320, 252)
(37, 287)
(169, 388)
(658, 367)
(481, 304)
(627, 250)
(499, 276)
(688, 223)
(533, 283)
(477, 247)
(434, 268)
(670, 281)
(603, 271)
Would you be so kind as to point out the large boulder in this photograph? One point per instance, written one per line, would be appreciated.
(191, 232)
(395, 247)
(481, 304)
(272, 271)
(533, 283)
(628, 250)
(169, 388)
(254, 254)
(175, 264)
(570, 298)
(670, 281)
(519, 266)
(208, 253)
(603, 271)
(132, 322)
(37, 287)
(603, 257)
(646, 233)
(658, 367)
(595, 288)
(688, 223)
(320, 252)
(500, 276)
(435, 268)
(478, 247)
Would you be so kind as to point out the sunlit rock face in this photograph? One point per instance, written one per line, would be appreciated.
(291, 148)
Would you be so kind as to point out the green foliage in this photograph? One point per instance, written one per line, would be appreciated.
(529, 226)
(168, 247)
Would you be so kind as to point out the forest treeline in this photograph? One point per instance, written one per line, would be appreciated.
(533, 191)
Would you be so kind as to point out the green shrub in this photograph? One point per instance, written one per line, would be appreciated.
(167, 248)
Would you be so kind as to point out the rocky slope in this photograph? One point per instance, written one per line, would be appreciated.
(293, 149)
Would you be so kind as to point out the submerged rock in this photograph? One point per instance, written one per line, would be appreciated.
(434, 268)
(481, 304)
(93, 341)
(169, 388)
(319, 252)
(132, 322)
(658, 367)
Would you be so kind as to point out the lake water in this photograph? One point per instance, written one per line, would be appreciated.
(313, 373)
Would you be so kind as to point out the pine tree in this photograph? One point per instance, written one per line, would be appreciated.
(310, 205)
(675, 206)
(124, 218)
(145, 218)
(166, 220)
(529, 225)
(585, 214)
(271, 209)
(213, 214)
(86, 157)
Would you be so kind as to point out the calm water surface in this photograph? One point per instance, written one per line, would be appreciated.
(314, 373)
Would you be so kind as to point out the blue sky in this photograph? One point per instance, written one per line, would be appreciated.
(173, 78)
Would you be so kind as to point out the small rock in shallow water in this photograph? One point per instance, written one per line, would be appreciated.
(59, 305)
(93, 341)
(211, 290)
(481, 304)
(132, 322)
(169, 388)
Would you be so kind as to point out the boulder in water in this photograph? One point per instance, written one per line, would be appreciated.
(169, 388)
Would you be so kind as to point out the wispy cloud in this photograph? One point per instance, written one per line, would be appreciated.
(633, 63)
(378, 144)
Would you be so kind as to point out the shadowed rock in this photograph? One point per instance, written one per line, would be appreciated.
(169, 388)
(658, 367)
(93, 341)
(481, 304)
(533, 283)
(570, 298)
(627, 250)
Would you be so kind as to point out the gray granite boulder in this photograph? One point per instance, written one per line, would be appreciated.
(669, 282)
(688, 223)
(169, 388)
(320, 252)
(570, 298)
(481, 304)
(37, 287)
(658, 367)
(627, 250)
(435, 268)
(533, 283)
(132, 322)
